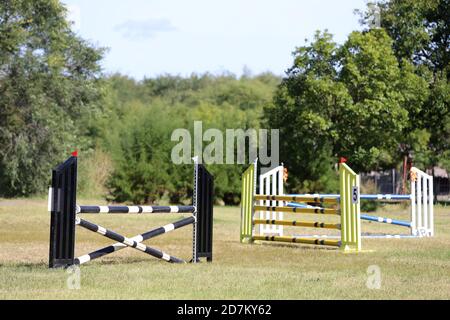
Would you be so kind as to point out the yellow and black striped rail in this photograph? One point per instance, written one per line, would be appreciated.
(324, 242)
(298, 210)
(298, 198)
(310, 224)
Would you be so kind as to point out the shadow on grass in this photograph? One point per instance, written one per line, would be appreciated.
(111, 261)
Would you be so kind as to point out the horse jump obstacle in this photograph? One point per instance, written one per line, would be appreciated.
(363, 216)
(65, 211)
(271, 206)
(421, 222)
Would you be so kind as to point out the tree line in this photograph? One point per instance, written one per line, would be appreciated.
(381, 95)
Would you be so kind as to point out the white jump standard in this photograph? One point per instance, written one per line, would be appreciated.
(65, 216)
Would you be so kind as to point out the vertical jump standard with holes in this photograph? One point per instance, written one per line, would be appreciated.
(64, 218)
(349, 211)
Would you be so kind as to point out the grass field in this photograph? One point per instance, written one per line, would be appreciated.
(410, 268)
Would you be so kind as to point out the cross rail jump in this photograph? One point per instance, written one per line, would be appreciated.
(65, 217)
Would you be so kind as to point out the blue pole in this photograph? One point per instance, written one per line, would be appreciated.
(385, 220)
(301, 205)
(363, 216)
(369, 196)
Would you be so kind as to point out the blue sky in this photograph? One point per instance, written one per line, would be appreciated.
(149, 37)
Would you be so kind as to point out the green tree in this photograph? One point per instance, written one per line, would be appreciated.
(140, 148)
(385, 98)
(140, 119)
(421, 35)
(352, 100)
(49, 90)
(419, 28)
(304, 108)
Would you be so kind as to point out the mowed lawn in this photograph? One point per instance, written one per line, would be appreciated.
(410, 268)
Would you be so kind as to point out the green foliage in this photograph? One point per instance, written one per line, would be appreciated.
(227, 177)
(419, 28)
(444, 161)
(139, 120)
(382, 95)
(301, 111)
(48, 92)
(437, 114)
(379, 96)
(141, 155)
(245, 93)
(351, 100)
(369, 187)
(420, 33)
(94, 169)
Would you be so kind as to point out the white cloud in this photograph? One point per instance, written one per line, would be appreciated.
(143, 29)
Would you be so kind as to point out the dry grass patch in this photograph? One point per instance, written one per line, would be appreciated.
(410, 268)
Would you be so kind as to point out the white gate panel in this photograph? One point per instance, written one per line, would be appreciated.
(422, 213)
(271, 183)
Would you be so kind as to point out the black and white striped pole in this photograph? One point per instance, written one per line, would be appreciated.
(127, 241)
(135, 209)
(139, 238)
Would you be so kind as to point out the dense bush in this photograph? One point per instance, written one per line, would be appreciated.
(142, 116)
